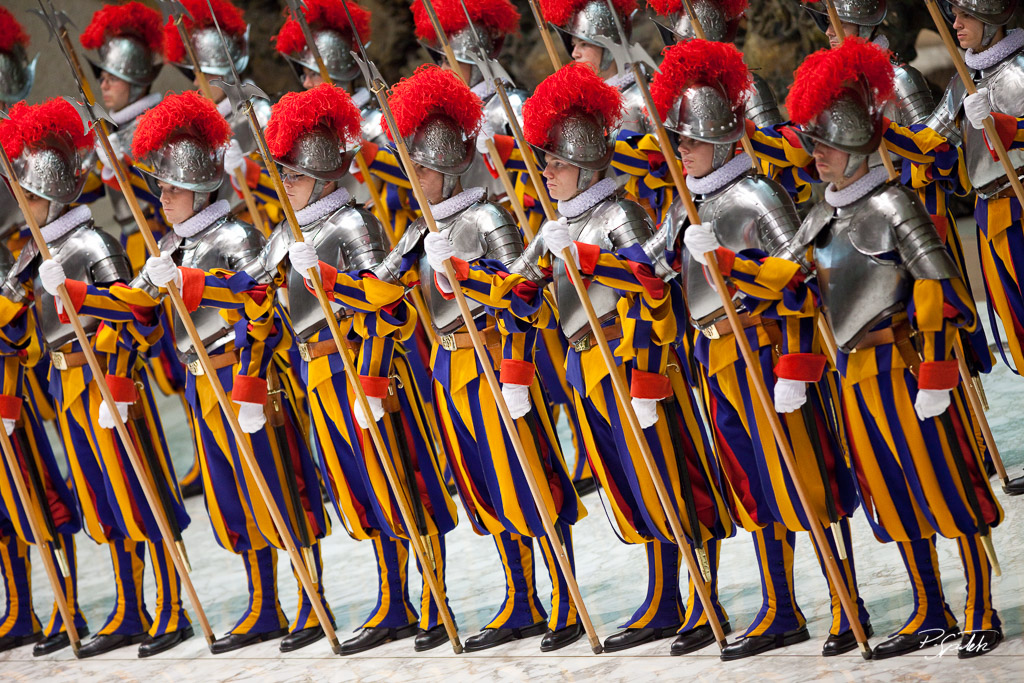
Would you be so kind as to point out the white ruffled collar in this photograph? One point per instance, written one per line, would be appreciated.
(135, 109)
(61, 226)
(322, 207)
(202, 220)
(457, 203)
(985, 59)
(621, 81)
(589, 198)
(721, 176)
(857, 189)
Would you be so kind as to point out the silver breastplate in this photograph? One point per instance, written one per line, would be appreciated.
(484, 230)
(913, 101)
(349, 239)
(87, 254)
(1005, 82)
(633, 117)
(612, 225)
(762, 106)
(750, 213)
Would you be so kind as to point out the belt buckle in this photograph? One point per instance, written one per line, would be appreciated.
(582, 344)
(58, 360)
(711, 332)
(304, 352)
(447, 342)
(195, 367)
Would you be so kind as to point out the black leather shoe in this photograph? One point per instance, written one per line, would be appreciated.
(631, 637)
(755, 645)
(844, 642)
(106, 643)
(370, 638)
(11, 642)
(1014, 487)
(492, 637)
(912, 642)
(990, 469)
(696, 639)
(585, 486)
(301, 638)
(428, 639)
(152, 646)
(556, 640)
(55, 643)
(236, 641)
(978, 643)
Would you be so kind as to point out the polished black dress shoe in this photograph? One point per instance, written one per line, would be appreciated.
(107, 643)
(11, 642)
(755, 645)
(696, 639)
(978, 643)
(492, 637)
(301, 638)
(236, 641)
(428, 639)
(193, 488)
(1014, 487)
(370, 638)
(585, 486)
(844, 642)
(152, 646)
(905, 643)
(56, 642)
(631, 637)
(556, 640)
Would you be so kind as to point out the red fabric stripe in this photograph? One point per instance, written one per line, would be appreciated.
(10, 407)
(938, 374)
(193, 283)
(122, 388)
(803, 367)
(249, 390)
(377, 387)
(517, 372)
(649, 385)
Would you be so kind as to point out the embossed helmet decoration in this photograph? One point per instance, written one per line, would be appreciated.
(128, 41)
(17, 73)
(588, 19)
(718, 18)
(866, 14)
(333, 35)
(493, 20)
(206, 44)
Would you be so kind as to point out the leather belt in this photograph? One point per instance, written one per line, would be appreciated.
(899, 335)
(221, 360)
(587, 341)
(462, 340)
(310, 350)
(65, 361)
(723, 328)
(1003, 193)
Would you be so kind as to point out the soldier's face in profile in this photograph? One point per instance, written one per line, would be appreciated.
(432, 182)
(176, 203)
(697, 156)
(587, 53)
(116, 93)
(833, 40)
(299, 188)
(39, 208)
(310, 78)
(831, 163)
(968, 30)
(561, 178)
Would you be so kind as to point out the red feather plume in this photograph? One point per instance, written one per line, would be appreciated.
(699, 62)
(825, 74)
(30, 124)
(11, 33)
(432, 90)
(230, 18)
(321, 14)
(133, 19)
(299, 112)
(187, 113)
(731, 9)
(559, 12)
(499, 16)
(573, 88)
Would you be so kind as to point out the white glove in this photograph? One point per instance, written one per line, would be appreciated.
(52, 275)
(517, 398)
(557, 238)
(977, 107)
(790, 395)
(700, 239)
(9, 426)
(485, 134)
(376, 407)
(106, 420)
(251, 417)
(931, 403)
(161, 270)
(646, 410)
(438, 249)
(233, 157)
(303, 257)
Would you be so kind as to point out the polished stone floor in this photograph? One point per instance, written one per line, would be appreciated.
(612, 577)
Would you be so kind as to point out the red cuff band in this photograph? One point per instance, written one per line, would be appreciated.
(461, 268)
(122, 388)
(252, 175)
(249, 390)
(10, 407)
(505, 145)
(802, 367)
(328, 278)
(650, 385)
(941, 226)
(725, 259)
(77, 291)
(193, 282)
(938, 374)
(1006, 128)
(517, 372)
(375, 387)
(588, 253)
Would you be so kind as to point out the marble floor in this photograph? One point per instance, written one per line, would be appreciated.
(612, 579)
